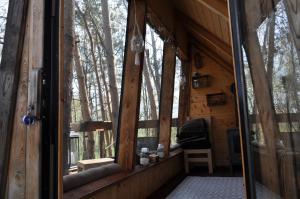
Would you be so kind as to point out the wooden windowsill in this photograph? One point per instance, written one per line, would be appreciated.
(98, 185)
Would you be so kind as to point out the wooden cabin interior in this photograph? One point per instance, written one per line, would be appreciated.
(136, 99)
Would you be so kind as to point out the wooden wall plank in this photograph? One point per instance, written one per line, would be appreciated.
(223, 117)
(9, 80)
(132, 76)
(166, 101)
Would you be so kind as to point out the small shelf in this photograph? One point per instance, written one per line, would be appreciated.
(216, 99)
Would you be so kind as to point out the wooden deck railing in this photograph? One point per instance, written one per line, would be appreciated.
(95, 125)
(283, 117)
(144, 124)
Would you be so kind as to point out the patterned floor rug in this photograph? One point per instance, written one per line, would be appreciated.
(215, 188)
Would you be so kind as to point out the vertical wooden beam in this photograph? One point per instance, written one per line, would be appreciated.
(130, 99)
(9, 80)
(33, 141)
(61, 100)
(184, 94)
(166, 101)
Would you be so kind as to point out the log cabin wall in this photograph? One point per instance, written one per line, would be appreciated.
(223, 116)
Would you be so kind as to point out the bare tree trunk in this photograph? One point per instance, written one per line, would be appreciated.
(109, 116)
(96, 102)
(271, 50)
(149, 87)
(95, 65)
(111, 65)
(155, 65)
(84, 103)
(68, 70)
(112, 93)
(107, 133)
(90, 98)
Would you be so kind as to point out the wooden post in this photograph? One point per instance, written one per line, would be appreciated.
(61, 100)
(130, 101)
(102, 150)
(9, 80)
(184, 94)
(166, 100)
(35, 61)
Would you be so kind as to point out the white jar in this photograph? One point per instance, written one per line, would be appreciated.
(160, 151)
(144, 157)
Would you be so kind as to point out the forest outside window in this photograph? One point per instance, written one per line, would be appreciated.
(93, 74)
(150, 92)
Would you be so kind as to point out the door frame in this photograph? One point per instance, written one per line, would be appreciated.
(236, 14)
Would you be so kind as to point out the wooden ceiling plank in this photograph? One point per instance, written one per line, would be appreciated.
(207, 50)
(216, 6)
(200, 31)
(199, 15)
(212, 40)
(209, 20)
(217, 29)
(225, 30)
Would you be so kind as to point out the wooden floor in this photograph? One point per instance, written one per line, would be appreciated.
(164, 191)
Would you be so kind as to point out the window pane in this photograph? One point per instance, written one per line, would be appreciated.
(272, 72)
(150, 91)
(3, 15)
(96, 66)
(175, 109)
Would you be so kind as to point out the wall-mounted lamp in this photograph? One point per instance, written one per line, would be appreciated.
(198, 60)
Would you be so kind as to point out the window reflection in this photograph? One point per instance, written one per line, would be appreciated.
(272, 72)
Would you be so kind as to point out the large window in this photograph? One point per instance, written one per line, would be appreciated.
(272, 72)
(150, 91)
(95, 65)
